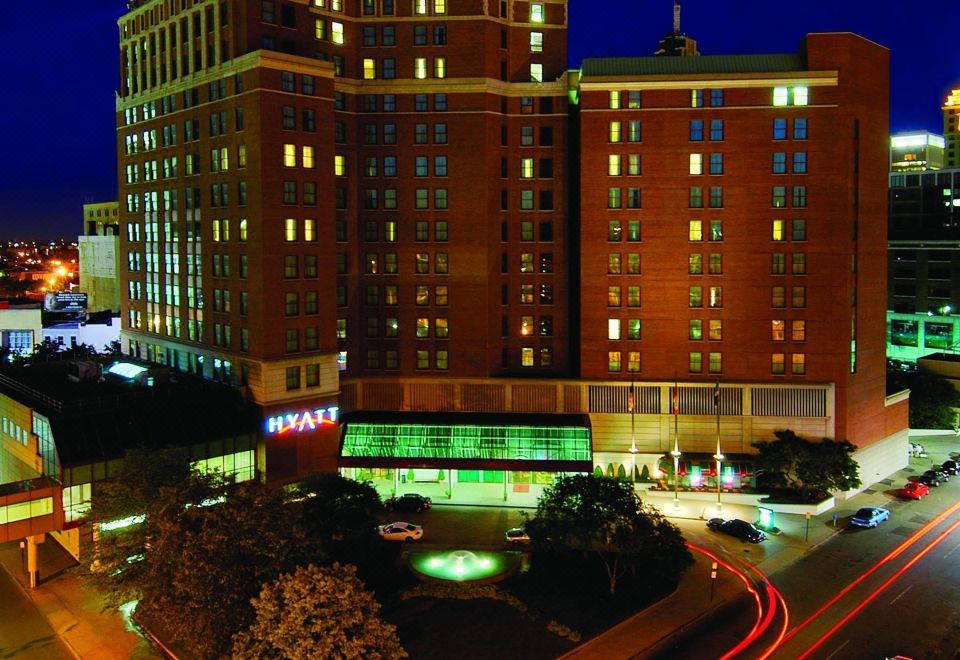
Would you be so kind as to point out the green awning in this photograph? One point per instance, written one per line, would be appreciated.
(545, 443)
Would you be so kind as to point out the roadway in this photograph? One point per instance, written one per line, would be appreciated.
(24, 632)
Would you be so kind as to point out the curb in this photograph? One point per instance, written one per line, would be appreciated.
(29, 595)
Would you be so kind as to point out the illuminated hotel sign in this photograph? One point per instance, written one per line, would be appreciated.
(307, 420)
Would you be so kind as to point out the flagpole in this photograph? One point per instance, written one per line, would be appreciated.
(633, 436)
(676, 442)
(719, 455)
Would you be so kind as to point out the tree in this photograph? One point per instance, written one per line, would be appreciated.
(113, 348)
(933, 400)
(318, 613)
(201, 547)
(146, 481)
(47, 350)
(605, 517)
(812, 469)
(206, 563)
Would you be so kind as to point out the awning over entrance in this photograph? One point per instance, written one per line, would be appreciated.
(492, 441)
(740, 465)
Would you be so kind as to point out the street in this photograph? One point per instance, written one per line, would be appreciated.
(24, 632)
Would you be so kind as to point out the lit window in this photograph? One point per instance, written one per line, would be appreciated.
(309, 229)
(339, 165)
(440, 67)
(290, 229)
(613, 165)
(798, 364)
(423, 327)
(798, 330)
(369, 69)
(695, 264)
(536, 72)
(536, 42)
(614, 131)
(613, 329)
(633, 361)
(716, 330)
(289, 155)
(780, 97)
(526, 357)
(716, 363)
(696, 230)
(613, 361)
(777, 330)
(439, 6)
(696, 362)
(779, 231)
(536, 12)
(320, 29)
(800, 97)
(696, 163)
(716, 296)
(420, 7)
(336, 32)
(777, 363)
(614, 100)
(308, 159)
(526, 168)
(696, 330)
(420, 68)
(696, 297)
(526, 326)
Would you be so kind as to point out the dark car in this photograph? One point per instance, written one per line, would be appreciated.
(950, 466)
(944, 474)
(737, 528)
(930, 478)
(409, 503)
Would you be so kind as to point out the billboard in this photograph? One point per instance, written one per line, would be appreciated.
(66, 305)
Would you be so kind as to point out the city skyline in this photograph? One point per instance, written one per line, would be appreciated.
(69, 154)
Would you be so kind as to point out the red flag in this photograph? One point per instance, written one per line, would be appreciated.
(676, 399)
(716, 395)
(630, 400)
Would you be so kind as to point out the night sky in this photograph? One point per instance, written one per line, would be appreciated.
(59, 67)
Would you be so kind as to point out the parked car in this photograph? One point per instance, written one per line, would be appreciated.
(409, 503)
(516, 536)
(869, 516)
(943, 474)
(737, 528)
(400, 531)
(950, 466)
(914, 490)
(930, 478)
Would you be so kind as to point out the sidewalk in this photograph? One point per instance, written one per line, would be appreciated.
(687, 607)
(76, 612)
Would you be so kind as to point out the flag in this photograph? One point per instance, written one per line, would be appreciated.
(631, 400)
(676, 398)
(716, 395)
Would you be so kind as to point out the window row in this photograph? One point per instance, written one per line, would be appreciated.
(615, 361)
(623, 329)
(617, 295)
(294, 377)
(529, 263)
(372, 134)
(615, 164)
(622, 264)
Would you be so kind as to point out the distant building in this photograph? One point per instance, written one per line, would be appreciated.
(20, 327)
(676, 43)
(100, 256)
(951, 128)
(916, 151)
(99, 330)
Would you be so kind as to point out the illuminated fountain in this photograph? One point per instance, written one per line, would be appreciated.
(464, 565)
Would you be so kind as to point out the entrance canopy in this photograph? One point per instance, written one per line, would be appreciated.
(491, 441)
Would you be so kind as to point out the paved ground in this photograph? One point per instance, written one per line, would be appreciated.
(24, 631)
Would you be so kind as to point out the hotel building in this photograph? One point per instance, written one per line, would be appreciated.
(494, 267)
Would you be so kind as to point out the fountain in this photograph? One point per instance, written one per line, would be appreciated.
(464, 565)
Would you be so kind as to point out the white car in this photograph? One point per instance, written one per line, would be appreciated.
(400, 531)
(516, 536)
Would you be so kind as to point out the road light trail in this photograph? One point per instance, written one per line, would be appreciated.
(896, 552)
(879, 590)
